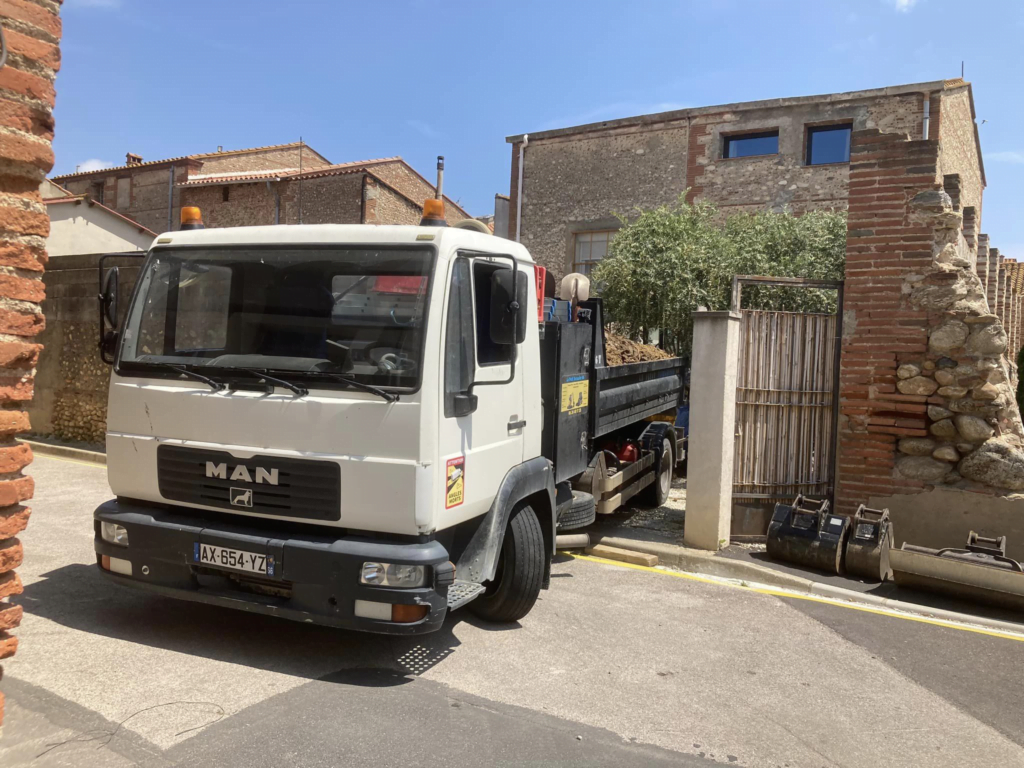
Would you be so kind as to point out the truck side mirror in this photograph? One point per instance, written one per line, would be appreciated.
(508, 306)
(108, 315)
(465, 404)
(108, 297)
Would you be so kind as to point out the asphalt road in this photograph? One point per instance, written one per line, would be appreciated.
(614, 667)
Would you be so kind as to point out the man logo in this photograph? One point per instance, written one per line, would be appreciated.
(241, 497)
(241, 474)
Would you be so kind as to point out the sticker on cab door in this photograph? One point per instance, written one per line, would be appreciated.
(575, 394)
(455, 482)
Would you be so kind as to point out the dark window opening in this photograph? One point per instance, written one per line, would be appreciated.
(487, 352)
(828, 144)
(225, 193)
(751, 144)
(96, 191)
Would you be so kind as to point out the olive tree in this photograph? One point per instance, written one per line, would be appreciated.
(666, 262)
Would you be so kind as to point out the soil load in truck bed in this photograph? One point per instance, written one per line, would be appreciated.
(621, 350)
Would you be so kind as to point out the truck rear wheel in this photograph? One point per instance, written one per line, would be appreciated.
(656, 494)
(516, 585)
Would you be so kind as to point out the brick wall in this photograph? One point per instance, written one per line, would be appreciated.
(33, 32)
(386, 206)
(880, 330)
(404, 179)
(325, 200)
(271, 159)
(926, 389)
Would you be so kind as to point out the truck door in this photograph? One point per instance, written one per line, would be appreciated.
(479, 448)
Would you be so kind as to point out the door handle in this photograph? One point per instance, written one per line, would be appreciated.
(514, 425)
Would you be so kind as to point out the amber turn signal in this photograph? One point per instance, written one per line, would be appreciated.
(407, 614)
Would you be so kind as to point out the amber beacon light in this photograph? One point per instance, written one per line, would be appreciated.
(191, 217)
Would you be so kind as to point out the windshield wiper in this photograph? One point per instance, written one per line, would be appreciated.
(391, 397)
(217, 386)
(298, 389)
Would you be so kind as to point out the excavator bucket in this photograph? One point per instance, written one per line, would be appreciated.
(981, 571)
(867, 549)
(806, 533)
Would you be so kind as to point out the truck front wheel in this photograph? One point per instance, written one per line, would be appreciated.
(516, 585)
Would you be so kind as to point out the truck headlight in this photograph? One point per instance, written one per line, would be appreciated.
(114, 533)
(393, 575)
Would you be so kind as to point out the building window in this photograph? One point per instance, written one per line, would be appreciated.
(225, 193)
(828, 144)
(591, 247)
(751, 144)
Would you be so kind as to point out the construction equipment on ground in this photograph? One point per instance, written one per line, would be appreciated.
(867, 549)
(980, 571)
(807, 533)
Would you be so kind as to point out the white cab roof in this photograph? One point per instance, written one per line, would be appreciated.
(369, 234)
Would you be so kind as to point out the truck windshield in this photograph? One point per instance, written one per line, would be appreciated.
(357, 311)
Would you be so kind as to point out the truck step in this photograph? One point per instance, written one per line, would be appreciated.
(462, 592)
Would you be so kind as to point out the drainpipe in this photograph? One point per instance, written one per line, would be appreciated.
(927, 114)
(519, 193)
(277, 200)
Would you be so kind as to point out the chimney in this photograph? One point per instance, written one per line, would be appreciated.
(130, 159)
(220, 147)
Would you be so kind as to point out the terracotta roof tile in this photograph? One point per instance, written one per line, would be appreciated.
(256, 176)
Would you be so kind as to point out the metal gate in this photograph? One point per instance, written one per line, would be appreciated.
(786, 400)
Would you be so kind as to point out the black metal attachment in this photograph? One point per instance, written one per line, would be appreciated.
(807, 533)
(867, 549)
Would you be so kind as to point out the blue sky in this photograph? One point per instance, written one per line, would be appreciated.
(408, 77)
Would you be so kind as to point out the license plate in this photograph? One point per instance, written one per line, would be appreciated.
(233, 559)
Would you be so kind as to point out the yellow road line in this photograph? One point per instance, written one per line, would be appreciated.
(37, 455)
(892, 613)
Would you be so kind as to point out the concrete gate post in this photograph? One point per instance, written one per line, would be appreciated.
(716, 337)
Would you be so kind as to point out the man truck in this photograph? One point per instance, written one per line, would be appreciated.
(362, 426)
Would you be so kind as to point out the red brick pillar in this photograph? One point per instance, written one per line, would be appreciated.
(32, 29)
(881, 331)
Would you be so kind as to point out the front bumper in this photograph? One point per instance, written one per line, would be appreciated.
(315, 579)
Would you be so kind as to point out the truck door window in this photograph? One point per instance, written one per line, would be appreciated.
(487, 352)
(458, 345)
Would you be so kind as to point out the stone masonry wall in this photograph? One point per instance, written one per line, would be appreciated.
(27, 95)
(577, 182)
(926, 393)
(959, 150)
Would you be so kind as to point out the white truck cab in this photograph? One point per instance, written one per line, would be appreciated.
(334, 423)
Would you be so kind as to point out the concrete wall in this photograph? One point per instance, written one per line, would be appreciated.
(78, 227)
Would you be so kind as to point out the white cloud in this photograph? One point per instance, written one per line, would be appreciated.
(423, 128)
(92, 164)
(1006, 157)
(903, 6)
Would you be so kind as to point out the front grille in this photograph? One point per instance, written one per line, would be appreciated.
(305, 489)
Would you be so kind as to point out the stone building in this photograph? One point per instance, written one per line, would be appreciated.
(282, 184)
(781, 153)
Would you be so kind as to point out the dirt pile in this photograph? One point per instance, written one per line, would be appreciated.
(620, 350)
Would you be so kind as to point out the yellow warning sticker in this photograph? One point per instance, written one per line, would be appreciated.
(575, 394)
(455, 482)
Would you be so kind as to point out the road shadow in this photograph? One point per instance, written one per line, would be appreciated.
(79, 597)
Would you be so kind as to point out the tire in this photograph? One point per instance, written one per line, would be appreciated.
(516, 585)
(582, 511)
(656, 494)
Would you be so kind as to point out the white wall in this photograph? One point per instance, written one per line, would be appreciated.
(79, 228)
